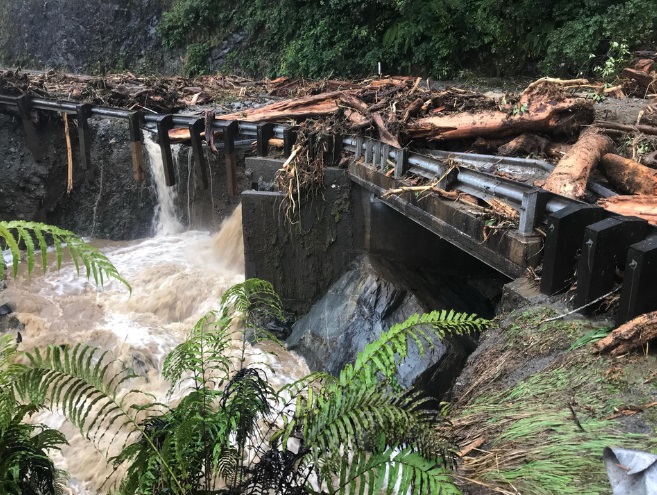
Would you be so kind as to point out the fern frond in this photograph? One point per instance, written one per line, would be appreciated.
(79, 381)
(355, 414)
(202, 354)
(392, 346)
(96, 264)
(406, 472)
(257, 301)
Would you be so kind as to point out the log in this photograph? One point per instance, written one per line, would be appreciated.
(628, 176)
(638, 206)
(635, 333)
(281, 111)
(413, 109)
(572, 172)
(384, 134)
(647, 82)
(646, 129)
(565, 116)
(525, 144)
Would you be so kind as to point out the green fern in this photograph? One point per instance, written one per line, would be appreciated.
(15, 233)
(368, 472)
(354, 431)
(383, 355)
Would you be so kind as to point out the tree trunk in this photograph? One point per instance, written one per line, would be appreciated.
(628, 176)
(639, 206)
(571, 173)
(566, 116)
(631, 335)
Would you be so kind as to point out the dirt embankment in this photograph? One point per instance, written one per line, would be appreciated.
(537, 407)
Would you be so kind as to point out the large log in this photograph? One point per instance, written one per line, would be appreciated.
(572, 172)
(628, 176)
(565, 116)
(281, 111)
(633, 334)
(639, 206)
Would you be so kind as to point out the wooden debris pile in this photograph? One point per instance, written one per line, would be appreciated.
(151, 93)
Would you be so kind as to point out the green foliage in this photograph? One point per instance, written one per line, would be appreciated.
(355, 432)
(32, 234)
(437, 38)
(25, 468)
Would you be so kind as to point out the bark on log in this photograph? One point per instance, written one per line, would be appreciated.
(525, 144)
(633, 334)
(639, 206)
(628, 176)
(384, 134)
(566, 116)
(531, 144)
(309, 106)
(572, 172)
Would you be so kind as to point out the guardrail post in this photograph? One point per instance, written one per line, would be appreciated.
(639, 281)
(401, 162)
(265, 133)
(532, 209)
(83, 113)
(376, 154)
(195, 130)
(359, 149)
(164, 124)
(230, 131)
(565, 231)
(369, 151)
(136, 145)
(24, 105)
(604, 249)
(289, 139)
(383, 160)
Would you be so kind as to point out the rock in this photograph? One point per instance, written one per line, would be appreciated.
(370, 298)
(6, 309)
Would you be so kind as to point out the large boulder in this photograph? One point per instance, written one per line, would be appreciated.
(375, 295)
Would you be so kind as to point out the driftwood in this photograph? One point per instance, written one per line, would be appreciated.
(633, 334)
(572, 172)
(646, 129)
(540, 115)
(309, 106)
(628, 176)
(639, 206)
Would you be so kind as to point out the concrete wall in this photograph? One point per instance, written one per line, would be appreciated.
(303, 260)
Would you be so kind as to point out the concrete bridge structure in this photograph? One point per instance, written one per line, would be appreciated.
(574, 242)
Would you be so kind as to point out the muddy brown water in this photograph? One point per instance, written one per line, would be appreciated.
(176, 277)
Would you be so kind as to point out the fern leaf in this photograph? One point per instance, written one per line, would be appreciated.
(407, 472)
(392, 346)
(95, 262)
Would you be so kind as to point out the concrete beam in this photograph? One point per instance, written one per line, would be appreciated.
(506, 250)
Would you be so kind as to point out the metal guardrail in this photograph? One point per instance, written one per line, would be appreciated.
(606, 242)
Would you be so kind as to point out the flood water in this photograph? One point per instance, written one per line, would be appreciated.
(176, 277)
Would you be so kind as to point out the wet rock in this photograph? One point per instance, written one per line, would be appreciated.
(370, 298)
(8, 320)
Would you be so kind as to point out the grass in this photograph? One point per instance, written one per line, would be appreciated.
(545, 433)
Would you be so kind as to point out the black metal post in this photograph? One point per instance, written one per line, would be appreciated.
(231, 158)
(265, 133)
(604, 250)
(565, 231)
(639, 292)
(195, 130)
(164, 124)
